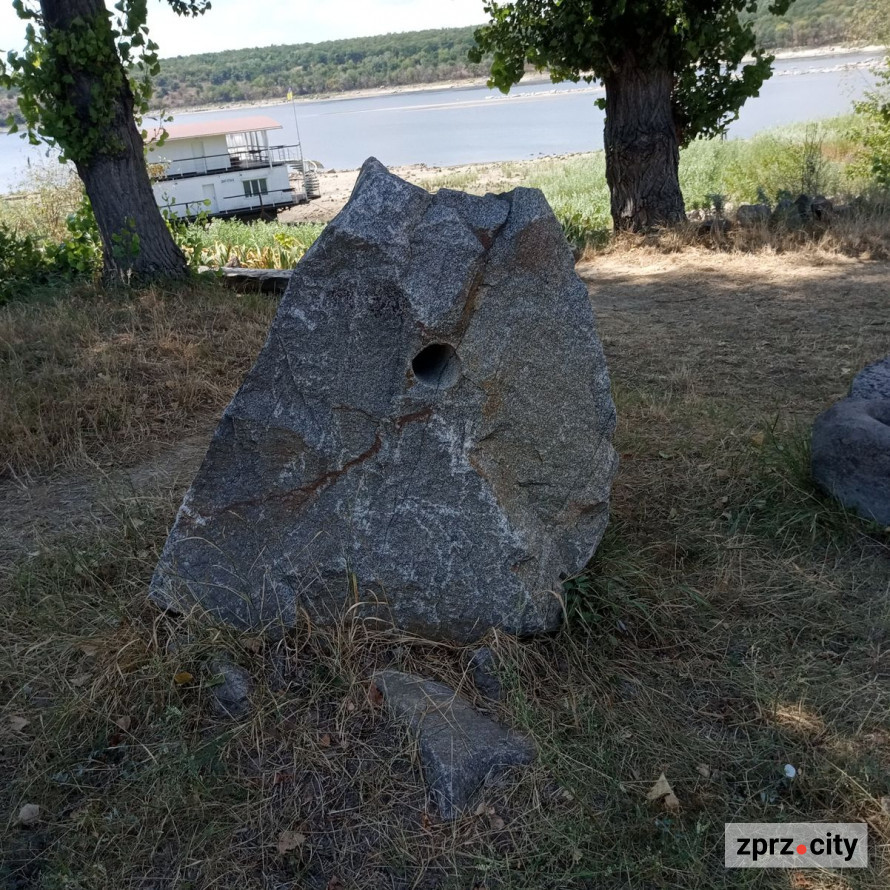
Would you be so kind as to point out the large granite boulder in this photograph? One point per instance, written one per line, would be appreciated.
(851, 455)
(425, 436)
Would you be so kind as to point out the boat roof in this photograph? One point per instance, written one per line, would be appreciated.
(218, 127)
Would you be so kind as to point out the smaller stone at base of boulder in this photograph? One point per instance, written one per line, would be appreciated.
(851, 455)
(231, 687)
(460, 748)
(873, 381)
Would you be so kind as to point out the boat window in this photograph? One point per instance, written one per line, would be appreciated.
(254, 187)
(246, 147)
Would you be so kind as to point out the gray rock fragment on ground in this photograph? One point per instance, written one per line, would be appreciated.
(460, 748)
(425, 437)
(230, 688)
(851, 455)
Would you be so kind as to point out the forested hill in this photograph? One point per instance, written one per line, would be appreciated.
(310, 68)
(394, 60)
(416, 57)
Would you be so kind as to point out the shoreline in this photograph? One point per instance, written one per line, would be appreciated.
(469, 83)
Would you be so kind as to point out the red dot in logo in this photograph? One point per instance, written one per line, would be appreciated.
(801, 848)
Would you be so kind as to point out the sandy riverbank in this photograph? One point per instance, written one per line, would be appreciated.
(337, 185)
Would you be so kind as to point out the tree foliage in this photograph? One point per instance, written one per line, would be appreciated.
(44, 75)
(873, 112)
(703, 43)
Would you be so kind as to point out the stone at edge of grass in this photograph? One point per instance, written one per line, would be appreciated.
(231, 692)
(460, 748)
(851, 455)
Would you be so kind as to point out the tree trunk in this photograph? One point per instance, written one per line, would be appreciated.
(642, 149)
(135, 238)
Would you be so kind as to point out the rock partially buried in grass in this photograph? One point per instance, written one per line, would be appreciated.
(425, 437)
(851, 455)
(230, 686)
(460, 749)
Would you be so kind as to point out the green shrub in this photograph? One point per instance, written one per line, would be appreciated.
(810, 159)
(29, 261)
(79, 253)
(873, 129)
(22, 263)
(260, 245)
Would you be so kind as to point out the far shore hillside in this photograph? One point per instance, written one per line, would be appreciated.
(533, 77)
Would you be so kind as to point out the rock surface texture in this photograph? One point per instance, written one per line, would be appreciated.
(460, 749)
(851, 455)
(873, 381)
(425, 436)
(230, 688)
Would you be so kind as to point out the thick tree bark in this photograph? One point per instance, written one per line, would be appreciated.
(135, 238)
(642, 149)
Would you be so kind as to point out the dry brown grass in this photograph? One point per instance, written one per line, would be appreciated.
(49, 193)
(863, 235)
(104, 378)
(734, 621)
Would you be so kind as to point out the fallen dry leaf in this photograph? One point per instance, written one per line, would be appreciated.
(28, 814)
(290, 840)
(18, 723)
(124, 723)
(325, 740)
(80, 680)
(375, 696)
(662, 788)
(182, 677)
(496, 823)
(757, 439)
(704, 771)
(89, 649)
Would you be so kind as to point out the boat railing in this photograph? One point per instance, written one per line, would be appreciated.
(246, 205)
(234, 159)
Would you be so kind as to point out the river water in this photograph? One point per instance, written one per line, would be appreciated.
(444, 127)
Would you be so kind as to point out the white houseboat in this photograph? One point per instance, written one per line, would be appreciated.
(228, 168)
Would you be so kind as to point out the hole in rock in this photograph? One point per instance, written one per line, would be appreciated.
(436, 365)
